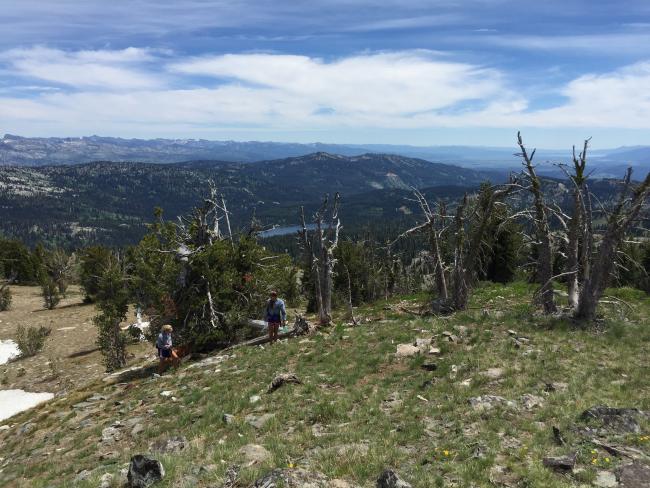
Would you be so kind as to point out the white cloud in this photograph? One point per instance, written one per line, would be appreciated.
(373, 85)
(618, 99)
(103, 69)
(136, 90)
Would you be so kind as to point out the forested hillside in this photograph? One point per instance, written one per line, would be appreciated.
(109, 202)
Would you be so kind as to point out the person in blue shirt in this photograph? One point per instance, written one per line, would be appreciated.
(276, 314)
(166, 353)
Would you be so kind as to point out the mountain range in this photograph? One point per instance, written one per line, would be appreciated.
(110, 202)
(24, 151)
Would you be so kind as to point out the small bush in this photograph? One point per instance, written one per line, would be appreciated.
(5, 299)
(50, 291)
(31, 340)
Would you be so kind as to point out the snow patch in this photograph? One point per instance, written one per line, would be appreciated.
(16, 401)
(8, 350)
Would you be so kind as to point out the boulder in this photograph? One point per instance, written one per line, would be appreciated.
(617, 420)
(605, 479)
(561, 463)
(259, 422)
(390, 479)
(406, 350)
(254, 453)
(111, 434)
(144, 472)
(106, 481)
(635, 475)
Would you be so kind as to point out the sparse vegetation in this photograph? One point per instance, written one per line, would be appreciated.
(5, 298)
(50, 291)
(31, 340)
(357, 398)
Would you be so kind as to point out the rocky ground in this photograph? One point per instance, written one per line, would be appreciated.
(496, 396)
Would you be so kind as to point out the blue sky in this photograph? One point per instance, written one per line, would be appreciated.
(415, 72)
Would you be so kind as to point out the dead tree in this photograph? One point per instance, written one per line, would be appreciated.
(434, 226)
(319, 249)
(626, 212)
(579, 229)
(454, 285)
(350, 307)
(543, 235)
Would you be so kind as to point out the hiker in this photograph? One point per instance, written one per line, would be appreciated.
(166, 352)
(276, 314)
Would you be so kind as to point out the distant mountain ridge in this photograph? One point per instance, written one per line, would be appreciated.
(110, 202)
(25, 151)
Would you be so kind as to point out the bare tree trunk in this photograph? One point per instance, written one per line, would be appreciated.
(542, 231)
(350, 308)
(577, 232)
(573, 252)
(322, 256)
(619, 222)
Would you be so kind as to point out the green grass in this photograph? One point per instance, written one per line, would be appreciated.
(432, 436)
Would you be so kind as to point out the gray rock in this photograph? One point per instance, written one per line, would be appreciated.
(82, 476)
(635, 475)
(618, 420)
(488, 402)
(228, 418)
(130, 423)
(106, 481)
(254, 453)
(390, 479)
(531, 401)
(169, 445)
(144, 472)
(259, 422)
(137, 430)
(605, 479)
(111, 434)
(561, 463)
(406, 350)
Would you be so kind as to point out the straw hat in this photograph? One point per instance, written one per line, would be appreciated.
(167, 328)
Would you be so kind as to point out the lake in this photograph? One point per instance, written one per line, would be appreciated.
(283, 231)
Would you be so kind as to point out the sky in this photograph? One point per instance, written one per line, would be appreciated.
(421, 72)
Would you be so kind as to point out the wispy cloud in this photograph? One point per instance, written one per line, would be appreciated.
(120, 69)
(117, 91)
(610, 43)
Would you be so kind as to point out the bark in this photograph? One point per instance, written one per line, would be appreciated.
(542, 232)
(320, 251)
(577, 235)
(619, 222)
